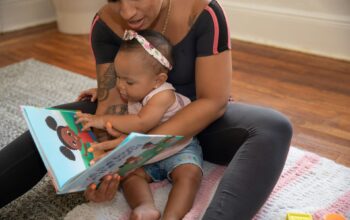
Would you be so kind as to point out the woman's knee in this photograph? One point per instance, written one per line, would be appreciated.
(242, 124)
(276, 125)
(270, 137)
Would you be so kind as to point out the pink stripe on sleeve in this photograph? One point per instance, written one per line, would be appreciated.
(90, 36)
(228, 29)
(216, 29)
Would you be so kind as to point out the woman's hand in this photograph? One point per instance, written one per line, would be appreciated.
(88, 120)
(110, 183)
(89, 94)
(106, 190)
(104, 147)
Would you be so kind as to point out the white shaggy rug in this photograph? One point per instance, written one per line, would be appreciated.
(308, 184)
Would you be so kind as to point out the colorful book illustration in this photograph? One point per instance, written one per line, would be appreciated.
(64, 149)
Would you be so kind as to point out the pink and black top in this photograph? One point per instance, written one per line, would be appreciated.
(209, 35)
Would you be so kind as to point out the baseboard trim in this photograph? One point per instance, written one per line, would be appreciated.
(315, 33)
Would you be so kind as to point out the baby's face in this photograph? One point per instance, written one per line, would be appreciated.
(134, 78)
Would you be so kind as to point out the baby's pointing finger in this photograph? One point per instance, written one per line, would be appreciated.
(80, 120)
(86, 126)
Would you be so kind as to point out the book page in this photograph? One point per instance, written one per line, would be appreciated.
(131, 154)
(58, 138)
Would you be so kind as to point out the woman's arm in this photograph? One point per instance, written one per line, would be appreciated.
(108, 98)
(109, 101)
(213, 88)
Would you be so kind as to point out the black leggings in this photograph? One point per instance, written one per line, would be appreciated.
(253, 142)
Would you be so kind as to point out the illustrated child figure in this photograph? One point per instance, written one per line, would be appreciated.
(70, 140)
(142, 65)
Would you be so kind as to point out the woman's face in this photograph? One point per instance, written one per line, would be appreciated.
(138, 14)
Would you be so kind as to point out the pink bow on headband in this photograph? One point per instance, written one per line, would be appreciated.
(130, 34)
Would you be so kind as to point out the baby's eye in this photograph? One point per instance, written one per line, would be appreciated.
(69, 133)
(130, 83)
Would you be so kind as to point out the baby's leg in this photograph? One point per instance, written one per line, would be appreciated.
(186, 180)
(139, 196)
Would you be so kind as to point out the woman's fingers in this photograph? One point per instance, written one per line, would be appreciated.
(107, 145)
(104, 185)
(79, 98)
(83, 95)
(106, 190)
(90, 192)
(104, 147)
(94, 97)
(97, 194)
(97, 156)
(87, 94)
(113, 187)
(111, 130)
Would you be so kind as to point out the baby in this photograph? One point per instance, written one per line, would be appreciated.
(142, 65)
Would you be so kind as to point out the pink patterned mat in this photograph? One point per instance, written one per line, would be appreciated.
(309, 183)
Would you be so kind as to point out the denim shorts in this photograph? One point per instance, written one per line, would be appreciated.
(191, 154)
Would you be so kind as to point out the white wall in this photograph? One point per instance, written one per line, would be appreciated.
(73, 16)
(18, 14)
(314, 26)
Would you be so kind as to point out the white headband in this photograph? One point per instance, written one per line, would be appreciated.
(130, 34)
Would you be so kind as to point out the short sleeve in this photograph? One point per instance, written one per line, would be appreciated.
(212, 32)
(104, 42)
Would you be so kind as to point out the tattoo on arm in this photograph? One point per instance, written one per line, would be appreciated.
(120, 109)
(105, 82)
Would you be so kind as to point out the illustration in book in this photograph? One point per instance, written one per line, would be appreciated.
(64, 149)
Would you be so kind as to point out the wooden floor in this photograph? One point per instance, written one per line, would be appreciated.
(314, 92)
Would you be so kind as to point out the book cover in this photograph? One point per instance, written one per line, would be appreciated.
(64, 149)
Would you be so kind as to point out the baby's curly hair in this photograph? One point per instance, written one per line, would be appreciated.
(158, 41)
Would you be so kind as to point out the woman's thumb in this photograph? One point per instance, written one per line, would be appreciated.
(111, 130)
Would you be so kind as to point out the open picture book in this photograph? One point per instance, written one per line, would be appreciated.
(63, 148)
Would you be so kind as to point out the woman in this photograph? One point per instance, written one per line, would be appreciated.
(251, 140)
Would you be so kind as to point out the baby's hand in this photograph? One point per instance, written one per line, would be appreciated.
(88, 120)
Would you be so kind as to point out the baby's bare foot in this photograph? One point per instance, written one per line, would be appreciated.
(145, 212)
